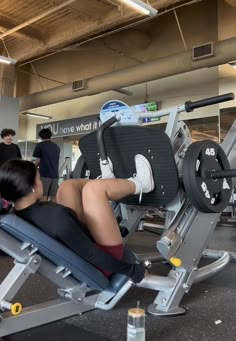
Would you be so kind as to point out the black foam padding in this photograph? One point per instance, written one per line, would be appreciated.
(122, 143)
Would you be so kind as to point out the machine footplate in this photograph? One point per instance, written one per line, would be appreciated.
(152, 310)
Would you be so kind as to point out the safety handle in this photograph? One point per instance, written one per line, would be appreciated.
(100, 137)
(190, 106)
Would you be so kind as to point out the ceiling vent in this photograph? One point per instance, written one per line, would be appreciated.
(78, 85)
(203, 51)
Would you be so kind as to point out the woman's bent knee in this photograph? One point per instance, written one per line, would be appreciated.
(94, 189)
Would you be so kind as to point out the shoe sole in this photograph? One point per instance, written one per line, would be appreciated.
(145, 160)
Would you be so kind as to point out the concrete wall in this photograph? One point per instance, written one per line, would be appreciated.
(9, 116)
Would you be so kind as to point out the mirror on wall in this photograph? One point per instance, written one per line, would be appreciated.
(206, 128)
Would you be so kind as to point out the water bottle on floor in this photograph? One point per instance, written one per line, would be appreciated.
(136, 324)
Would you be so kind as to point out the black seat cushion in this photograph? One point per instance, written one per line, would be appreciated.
(55, 251)
(61, 255)
(122, 143)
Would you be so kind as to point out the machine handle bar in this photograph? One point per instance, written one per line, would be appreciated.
(100, 137)
(229, 173)
(190, 106)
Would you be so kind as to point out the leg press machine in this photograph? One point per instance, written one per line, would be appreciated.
(187, 231)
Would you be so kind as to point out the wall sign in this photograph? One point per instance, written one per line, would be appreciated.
(72, 126)
(87, 124)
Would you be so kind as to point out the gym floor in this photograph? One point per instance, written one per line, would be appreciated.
(211, 305)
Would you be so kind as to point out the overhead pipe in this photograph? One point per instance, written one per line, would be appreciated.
(231, 2)
(156, 69)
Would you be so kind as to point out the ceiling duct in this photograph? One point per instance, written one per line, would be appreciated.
(78, 85)
(231, 2)
(203, 51)
(156, 69)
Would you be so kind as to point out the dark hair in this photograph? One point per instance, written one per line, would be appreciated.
(6, 132)
(45, 134)
(17, 179)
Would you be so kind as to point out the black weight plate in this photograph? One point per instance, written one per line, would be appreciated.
(189, 173)
(206, 194)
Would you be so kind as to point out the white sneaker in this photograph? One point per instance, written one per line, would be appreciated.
(143, 178)
(107, 169)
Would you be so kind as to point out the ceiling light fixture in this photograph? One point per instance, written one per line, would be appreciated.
(7, 60)
(141, 7)
(233, 64)
(46, 117)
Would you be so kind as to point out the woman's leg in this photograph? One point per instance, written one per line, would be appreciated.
(98, 213)
(69, 194)
(99, 216)
(93, 207)
(96, 194)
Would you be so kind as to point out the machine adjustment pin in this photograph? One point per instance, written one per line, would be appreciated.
(16, 309)
(177, 262)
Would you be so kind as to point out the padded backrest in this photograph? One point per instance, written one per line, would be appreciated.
(55, 251)
(122, 144)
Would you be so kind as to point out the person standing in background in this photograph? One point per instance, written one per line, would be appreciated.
(47, 155)
(8, 149)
